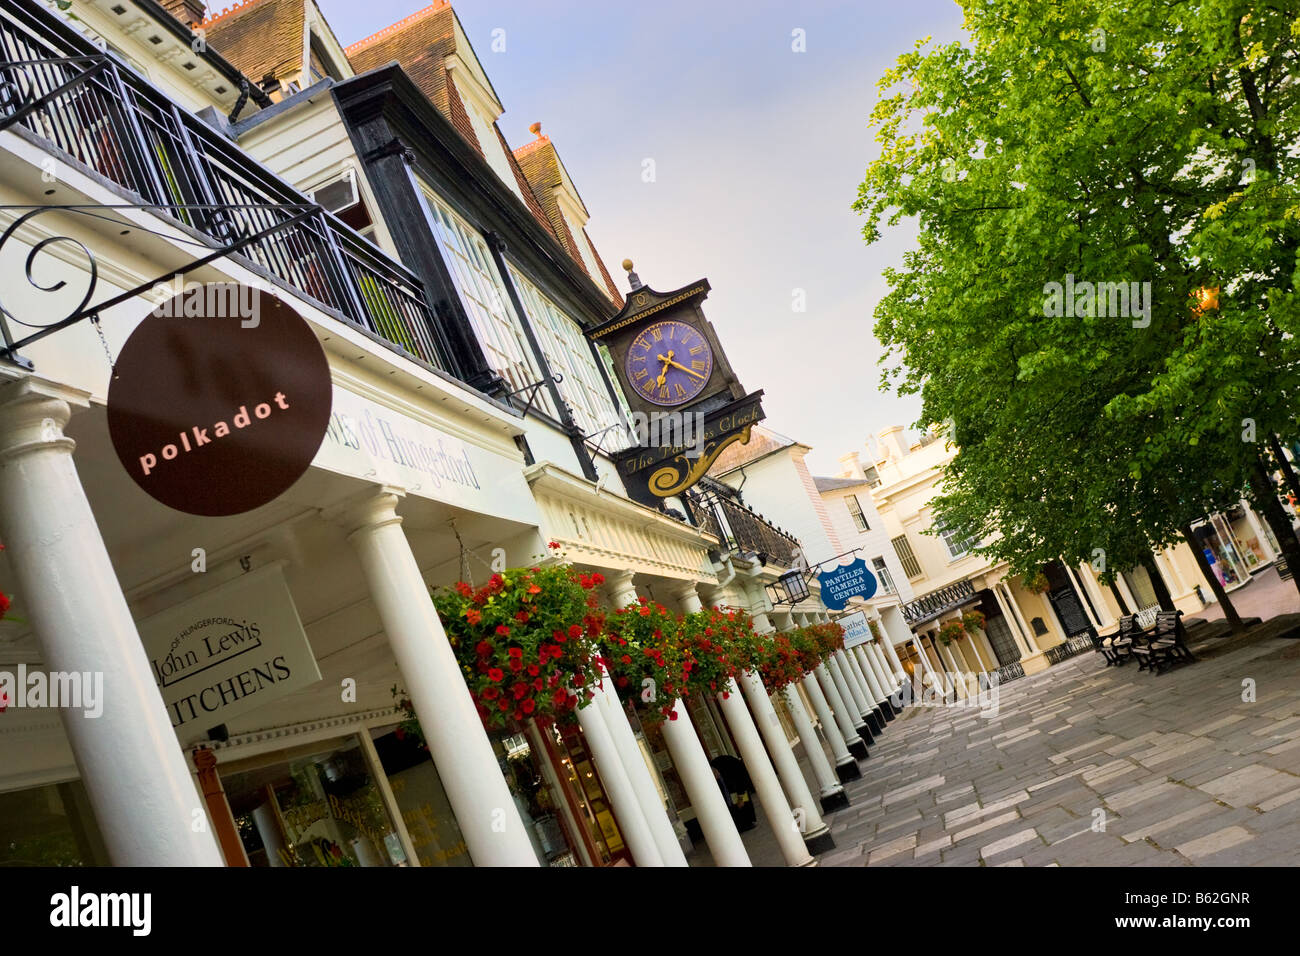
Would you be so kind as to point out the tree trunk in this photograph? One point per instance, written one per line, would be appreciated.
(1261, 482)
(1163, 597)
(1212, 579)
(1284, 464)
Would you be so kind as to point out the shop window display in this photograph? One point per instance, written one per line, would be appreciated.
(318, 809)
(421, 799)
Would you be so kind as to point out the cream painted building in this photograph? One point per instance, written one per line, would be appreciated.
(1027, 627)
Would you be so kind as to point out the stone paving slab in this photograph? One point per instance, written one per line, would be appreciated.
(1085, 765)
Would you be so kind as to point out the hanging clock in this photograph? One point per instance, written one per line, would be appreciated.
(668, 363)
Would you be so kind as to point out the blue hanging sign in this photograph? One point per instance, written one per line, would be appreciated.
(849, 580)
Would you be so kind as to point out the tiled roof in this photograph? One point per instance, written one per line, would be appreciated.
(762, 441)
(260, 37)
(541, 167)
(421, 44)
(835, 484)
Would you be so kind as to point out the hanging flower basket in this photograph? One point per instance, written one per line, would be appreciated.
(973, 621)
(656, 656)
(526, 642)
(951, 631)
(1037, 583)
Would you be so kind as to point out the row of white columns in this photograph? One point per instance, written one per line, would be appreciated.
(140, 786)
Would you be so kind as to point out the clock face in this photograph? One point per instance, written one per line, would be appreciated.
(669, 363)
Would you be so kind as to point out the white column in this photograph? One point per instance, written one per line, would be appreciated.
(813, 831)
(1122, 584)
(620, 591)
(632, 822)
(770, 796)
(457, 742)
(851, 708)
(1099, 599)
(688, 597)
(702, 787)
(840, 708)
(830, 727)
(957, 674)
(832, 792)
(131, 765)
(892, 654)
(976, 635)
(896, 674)
(857, 692)
(1012, 624)
(867, 667)
(1084, 597)
(639, 773)
(926, 667)
(1028, 631)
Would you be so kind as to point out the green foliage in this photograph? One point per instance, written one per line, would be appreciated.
(1147, 142)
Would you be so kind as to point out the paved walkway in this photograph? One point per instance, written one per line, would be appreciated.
(1089, 765)
(1264, 596)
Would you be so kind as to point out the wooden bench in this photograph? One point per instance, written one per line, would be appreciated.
(1118, 647)
(1164, 645)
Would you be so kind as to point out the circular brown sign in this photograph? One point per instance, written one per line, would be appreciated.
(220, 399)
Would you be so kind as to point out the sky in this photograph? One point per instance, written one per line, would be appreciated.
(756, 152)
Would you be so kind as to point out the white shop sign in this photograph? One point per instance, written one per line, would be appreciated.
(228, 651)
(368, 440)
(856, 629)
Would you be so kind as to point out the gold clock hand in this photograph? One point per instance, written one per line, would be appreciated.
(685, 369)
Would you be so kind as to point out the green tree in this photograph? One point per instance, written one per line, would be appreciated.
(1089, 142)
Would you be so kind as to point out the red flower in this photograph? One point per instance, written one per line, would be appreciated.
(4, 604)
(528, 706)
(503, 706)
(553, 544)
(537, 684)
(626, 658)
(516, 665)
(473, 616)
(534, 589)
(491, 693)
(520, 691)
(532, 670)
(522, 617)
(496, 674)
(575, 631)
(598, 579)
(672, 714)
(621, 682)
(515, 652)
(483, 648)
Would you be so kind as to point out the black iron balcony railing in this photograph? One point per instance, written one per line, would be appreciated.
(936, 602)
(740, 529)
(103, 116)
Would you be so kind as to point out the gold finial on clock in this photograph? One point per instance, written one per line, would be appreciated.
(633, 279)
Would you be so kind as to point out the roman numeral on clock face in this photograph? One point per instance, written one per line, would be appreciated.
(697, 349)
(677, 387)
(697, 365)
